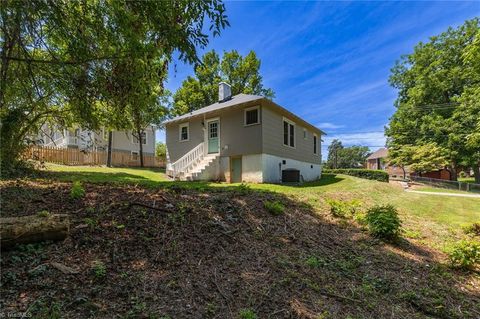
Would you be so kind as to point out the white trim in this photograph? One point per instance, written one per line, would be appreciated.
(305, 134)
(294, 134)
(256, 107)
(180, 126)
(315, 136)
(136, 153)
(207, 133)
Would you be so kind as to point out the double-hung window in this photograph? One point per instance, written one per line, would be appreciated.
(183, 133)
(143, 137)
(252, 115)
(315, 144)
(288, 133)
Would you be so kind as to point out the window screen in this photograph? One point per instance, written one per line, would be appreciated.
(251, 117)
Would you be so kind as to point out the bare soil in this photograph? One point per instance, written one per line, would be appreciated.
(216, 253)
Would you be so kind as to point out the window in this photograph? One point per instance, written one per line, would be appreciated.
(135, 156)
(252, 116)
(143, 136)
(288, 133)
(183, 132)
(315, 144)
(304, 134)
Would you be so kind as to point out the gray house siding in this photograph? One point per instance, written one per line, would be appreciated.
(235, 137)
(272, 127)
(122, 141)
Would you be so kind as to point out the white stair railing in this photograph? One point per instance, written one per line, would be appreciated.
(187, 161)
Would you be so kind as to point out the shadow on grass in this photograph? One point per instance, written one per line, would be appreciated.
(217, 251)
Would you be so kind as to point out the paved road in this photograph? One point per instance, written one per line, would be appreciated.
(443, 194)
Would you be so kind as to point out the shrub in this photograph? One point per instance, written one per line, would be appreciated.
(465, 254)
(343, 208)
(274, 208)
(77, 190)
(375, 175)
(383, 221)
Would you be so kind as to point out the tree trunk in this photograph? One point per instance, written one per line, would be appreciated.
(404, 172)
(109, 150)
(476, 173)
(453, 173)
(32, 229)
(139, 134)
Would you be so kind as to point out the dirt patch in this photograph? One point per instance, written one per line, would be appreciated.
(216, 253)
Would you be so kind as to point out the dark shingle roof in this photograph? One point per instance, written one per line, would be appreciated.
(380, 153)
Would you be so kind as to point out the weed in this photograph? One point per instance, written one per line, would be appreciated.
(465, 254)
(99, 269)
(77, 190)
(473, 229)
(248, 314)
(274, 208)
(90, 222)
(315, 262)
(43, 213)
(243, 189)
(344, 209)
(383, 221)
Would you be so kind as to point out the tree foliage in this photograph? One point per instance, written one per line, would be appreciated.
(161, 150)
(346, 157)
(92, 63)
(242, 73)
(437, 104)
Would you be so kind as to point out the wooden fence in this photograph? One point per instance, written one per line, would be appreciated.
(75, 156)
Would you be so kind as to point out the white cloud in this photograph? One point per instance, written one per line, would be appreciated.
(327, 125)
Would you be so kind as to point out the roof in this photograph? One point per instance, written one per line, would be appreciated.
(380, 153)
(236, 100)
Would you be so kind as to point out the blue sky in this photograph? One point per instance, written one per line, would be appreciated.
(329, 62)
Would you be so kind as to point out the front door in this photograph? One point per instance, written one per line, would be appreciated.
(236, 170)
(213, 134)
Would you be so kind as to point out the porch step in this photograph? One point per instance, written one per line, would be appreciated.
(199, 168)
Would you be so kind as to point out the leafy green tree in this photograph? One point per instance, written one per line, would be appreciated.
(92, 63)
(346, 157)
(161, 150)
(242, 73)
(436, 90)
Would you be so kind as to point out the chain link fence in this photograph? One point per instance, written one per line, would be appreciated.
(441, 183)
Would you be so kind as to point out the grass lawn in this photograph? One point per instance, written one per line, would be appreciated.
(435, 220)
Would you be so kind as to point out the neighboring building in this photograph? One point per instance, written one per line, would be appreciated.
(243, 138)
(378, 160)
(122, 141)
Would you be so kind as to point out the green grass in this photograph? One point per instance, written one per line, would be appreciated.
(440, 218)
(441, 190)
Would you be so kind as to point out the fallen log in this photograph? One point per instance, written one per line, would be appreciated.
(32, 229)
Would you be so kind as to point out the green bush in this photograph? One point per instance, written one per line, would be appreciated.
(77, 190)
(383, 221)
(375, 175)
(465, 254)
(99, 269)
(274, 208)
(343, 209)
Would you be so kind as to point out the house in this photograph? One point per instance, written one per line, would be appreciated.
(378, 160)
(243, 138)
(90, 140)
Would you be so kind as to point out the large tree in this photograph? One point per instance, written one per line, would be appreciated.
(437, 100)
(346, 157)
(242, 73)
(92, 63)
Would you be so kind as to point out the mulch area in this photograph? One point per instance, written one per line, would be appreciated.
(216, 253)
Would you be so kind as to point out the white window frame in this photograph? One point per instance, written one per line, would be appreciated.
(315, 136)
(140, 139)
(256, 107)
(294, 134)
(305, 134)
(134, 153)
(180, 127)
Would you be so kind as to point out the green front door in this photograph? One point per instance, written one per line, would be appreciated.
(213, 133)
(236, 170)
